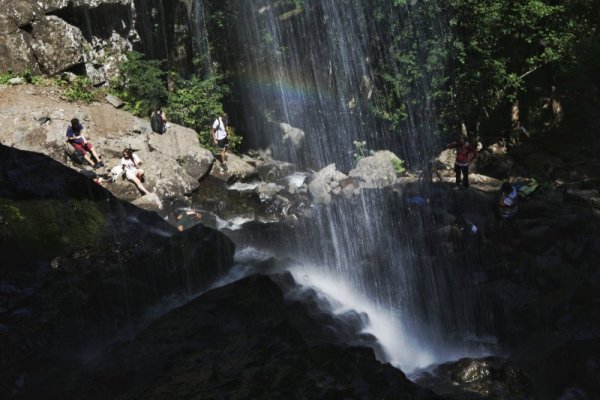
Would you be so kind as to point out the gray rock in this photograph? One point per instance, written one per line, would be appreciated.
(294, 135)
(50, 44)
(377, 171)
(56, 44)
(114, 101)
(16, 81)
(234, 169)
(272, 170)
(323, 183)
(266, 191)
(149, 202)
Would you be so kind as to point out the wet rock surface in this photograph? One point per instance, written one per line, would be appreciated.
(244, 340)
(81, 267)
(487, 378)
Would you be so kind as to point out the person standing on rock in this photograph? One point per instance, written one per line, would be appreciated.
(219, 134)
(131, 163)
(82, 146)
(465, 154)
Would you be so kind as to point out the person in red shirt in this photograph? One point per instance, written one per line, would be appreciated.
(465, 154)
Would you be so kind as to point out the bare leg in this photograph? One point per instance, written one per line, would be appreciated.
(139, 174)
(87, 158)
(95, 154)
(139, 185)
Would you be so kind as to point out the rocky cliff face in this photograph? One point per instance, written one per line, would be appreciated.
(55, 36)
(92, 37)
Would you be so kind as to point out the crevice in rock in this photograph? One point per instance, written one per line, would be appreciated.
(27, 28)
(77, 69)
(100, 21)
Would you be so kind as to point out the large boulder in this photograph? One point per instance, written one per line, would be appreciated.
(181, 144)
(377, 171)
(15, 51)
(485, 378)
(40, 36)
(245, 340)
(325, 183)
(235, 168)
(57, 45)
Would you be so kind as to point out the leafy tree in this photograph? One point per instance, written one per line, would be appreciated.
(491, 62)
(196, 103)
(142, 84)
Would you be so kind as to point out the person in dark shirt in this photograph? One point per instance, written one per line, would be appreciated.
(82, 146)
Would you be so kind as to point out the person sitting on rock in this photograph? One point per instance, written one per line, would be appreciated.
(507, 200)
(158, 121)
(465, 154)
(131, 163)
(82, 146)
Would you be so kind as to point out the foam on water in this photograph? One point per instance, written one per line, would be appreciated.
(404, 351)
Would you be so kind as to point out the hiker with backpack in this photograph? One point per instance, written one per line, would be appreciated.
(131, 165)
(158, 121)
(465, 154)
(219, 134)
(81, 145)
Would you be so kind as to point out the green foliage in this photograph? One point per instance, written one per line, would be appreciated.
(50, 225)
(235, 140)
(196, 103)
(79, 90)
(27, 75)
(5, 77)
(141, 84)
(476, 57)
(399, 167)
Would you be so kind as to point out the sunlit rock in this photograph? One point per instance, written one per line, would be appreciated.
(376, 171)
(292, 134)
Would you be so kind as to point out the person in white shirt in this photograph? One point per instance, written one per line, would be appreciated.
(131, 165)
(219, 134)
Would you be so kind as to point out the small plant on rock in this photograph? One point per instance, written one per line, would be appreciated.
(360, 150)
(78, 90)
(399, 166)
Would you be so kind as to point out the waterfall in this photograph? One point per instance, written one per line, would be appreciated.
(306, 87)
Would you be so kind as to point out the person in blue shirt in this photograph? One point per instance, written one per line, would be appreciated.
(82, 146)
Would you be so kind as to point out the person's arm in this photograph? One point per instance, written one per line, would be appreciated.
(137, 160)
(213, 132)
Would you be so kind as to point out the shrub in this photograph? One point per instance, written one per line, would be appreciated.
(141, 84)
(5, 77)
(79, 90)
(196, 103)
(398, 166)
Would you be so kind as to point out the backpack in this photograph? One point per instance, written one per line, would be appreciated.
(77, 157)
(157, 123)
